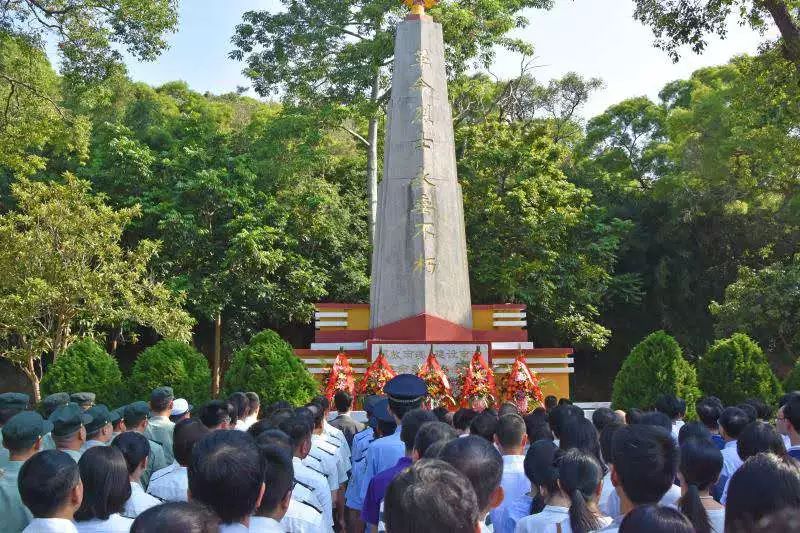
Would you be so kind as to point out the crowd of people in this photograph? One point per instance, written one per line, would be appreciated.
(232, 466)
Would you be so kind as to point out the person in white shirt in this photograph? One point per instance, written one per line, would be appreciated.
(106, 488)
(511, 439)
(254, 407)
(732, 422)
(226, 473)
(656, 519)
(757, 437)
(241, 406)
(279, 477)
(172, 483)
(700, 465)
(176, 516)
(135, 448)
(50, 487)
(675, 409)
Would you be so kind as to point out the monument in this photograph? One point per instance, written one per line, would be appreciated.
(420, 294)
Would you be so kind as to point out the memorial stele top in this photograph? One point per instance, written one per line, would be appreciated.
(418, 7)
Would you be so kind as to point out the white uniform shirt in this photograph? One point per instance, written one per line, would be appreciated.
(116, 523)
(236, 527)
(515, 485)
(605, 494)
(548, 520)
(139, 501)
(50, 525)
(330, 451)
(338, 434)
(302, 518)
(670, 499)
(170, 484)
(263, 524)
(318, 485)
(322, 465)
(91, 444)
(717, 519)
(241, 425)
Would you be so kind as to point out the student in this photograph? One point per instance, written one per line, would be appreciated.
(343, 421)
(558, 416)
(708, 412)
(137, 419)
(694, 430)
(750, 411)
(789, 416)
(732, 422)
(462, 420)
(181, 410)
(606, 442)
(536, 426)
(431, 497)
(484, 425)
(254, 407)
(429, 435)
(510, 439)
(22, 437)
(50, 487)
(240, 406)
(604, 416)
(106, 488)
(763, 485)
(217, 414)
(326, 456)
(633, 416)
(655, 519)
(172, 483)
(540, 470)
(675, 409)
(279, 477)
(579, 433)
(550, 403)
(179, 517)
(763, 411)
(482, 464)
(99, 430)
(573, 507)
(644, 466)
(69, 429)
(160, 428)
(354, 495)
(757, 437)
(657, 418)
(412, 422)
(332, 434)
(700, 465)
(226, 473)
(135, 448)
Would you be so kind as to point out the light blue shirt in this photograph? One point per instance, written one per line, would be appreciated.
(361, 442)
(515, 485)
(382, 454)
(15, 516)
(515, 511)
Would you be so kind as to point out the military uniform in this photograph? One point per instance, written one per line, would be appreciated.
(50, 404)
(11, 400)
(67, 420)
(160, 428)
(156, 460)
(84, 399)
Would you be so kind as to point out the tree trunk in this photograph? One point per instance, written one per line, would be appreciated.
(788, 28)
(215, 379)
(372, 160)
(30, 371)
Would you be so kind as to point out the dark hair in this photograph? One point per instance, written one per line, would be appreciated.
(463, 418)
(106, 485)
(536, 425)
(656, 418)
(579, 474)
(693, 430)
(559, 415)
(480, 461)
(751, 412)
(298, 428)
(602, 417)
(260, 427)
(430, 433)
(411, 423)
(786, 521)
(708, 412)
(700, 465)
(176, 517)
(670, 405)
(276, 439)
(484, 425)
(386, 428)
(510, 430)
(314, 411)
(322, 402)
(134, 447)
(606, 442)
(791, 410)
(429, 497)
(443, 415)
(763, 485)
(633, 416)
(216, 412)
(541, 471)
(253, 402)
(185, 435)
(342, 400)
(7, 413)
(160, 403)
(240, 404)
(550, 402)
(277, 406)
(655, 519)
(508, 408)
(45, 481)
(278, 477)
(733, 420)
(763, 411)
(646, 462)
(759, 437)
(399, 409)
(226, 473)
(564, 401)
(579, 433)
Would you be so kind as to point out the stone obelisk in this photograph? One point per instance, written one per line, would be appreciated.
(420, 279)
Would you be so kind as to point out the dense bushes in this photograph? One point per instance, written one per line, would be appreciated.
(173, 363)
(736, 369)
(655, 366)
(85, 367)
(269, 367)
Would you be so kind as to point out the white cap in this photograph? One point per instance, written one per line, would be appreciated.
(180, 406)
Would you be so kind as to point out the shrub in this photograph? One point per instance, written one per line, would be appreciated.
(173, 363)
(655, 366)
(85, 367)
(736, 369)
(269, 367)
(792, 382)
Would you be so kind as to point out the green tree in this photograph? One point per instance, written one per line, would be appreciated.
(326, 52)
(64, 274)
(735, 369)
(175, 364)
(654, 367)
(269, 367)
(86, 366)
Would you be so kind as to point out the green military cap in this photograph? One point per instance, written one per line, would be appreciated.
(162, 393)
(83, 398)
(54, 400)
(100, 417)
(136, 412)
(14, 400)
(116, 414)
(25, 427)
(68, 419)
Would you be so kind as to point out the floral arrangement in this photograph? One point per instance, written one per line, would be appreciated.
(340, 377)
(523, 386)
(440, 393)
(376, 376)
(477, 382)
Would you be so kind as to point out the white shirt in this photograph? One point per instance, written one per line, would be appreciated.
(338, 434)
(670, 499)
(116, 523)
(241, 425)
(264, 524)
(139, 501)
(717, 519)
(170, 484)
(91, 444)
(515, 485)
(236, 527)
(676, 428)
(730, 460)
(605, 494)
(548, 520)
(318, 485)
(301, 518)
(50, 525)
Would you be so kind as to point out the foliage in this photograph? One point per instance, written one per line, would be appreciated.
(792, 382)
(268, 366)
(735, 369)
(172, 363)
(655, 366)
(86, 366)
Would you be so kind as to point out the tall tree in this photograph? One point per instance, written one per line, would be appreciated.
(334, 53)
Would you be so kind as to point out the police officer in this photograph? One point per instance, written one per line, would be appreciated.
(69, 431)
(136, 417)
(99, 431)
(84, 399)
(160, 428)
(11, 403)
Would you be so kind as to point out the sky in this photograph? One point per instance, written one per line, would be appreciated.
(595, 38)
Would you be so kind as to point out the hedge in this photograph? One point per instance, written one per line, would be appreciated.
(173, 363)
(85, 367)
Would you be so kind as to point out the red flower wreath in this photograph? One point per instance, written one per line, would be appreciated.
(440, 393)
(477, 382)
(340, 377)
(376, 376)
(523, 386)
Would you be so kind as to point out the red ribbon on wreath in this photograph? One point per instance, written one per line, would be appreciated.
(341, 377)
(478, 382)
(376, 376)
(523, 385)
(440, 392)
